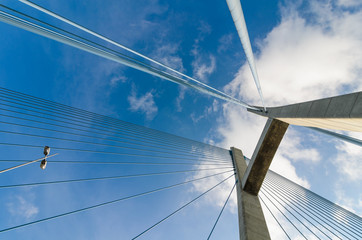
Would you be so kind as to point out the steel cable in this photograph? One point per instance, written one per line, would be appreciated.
(218, 217)
(274, 217)
(101, 117)
(94, 143)
(323, 203)
(107, 178)
(182, 207)
(291, 222)
(307, 207)
(123, 163)
(57, 125)
(100, 152)
(103, 204)
(83, 120)
(103, 129)
(317, 202)
(266, 189)
(93, 137)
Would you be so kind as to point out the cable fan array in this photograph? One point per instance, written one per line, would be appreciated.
(29, 122)
(301, 213)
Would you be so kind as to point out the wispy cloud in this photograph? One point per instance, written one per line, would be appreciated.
(143, 103)
(204, 64)
(349, 3)
(348, 161)
(180, 98)
(207, 111)
(204, 68)
(225, 42)
(167, 54)
(117, 79)
(351, 204)
(204, 30)
(22, 207)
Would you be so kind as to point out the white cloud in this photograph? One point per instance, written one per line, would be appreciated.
(351, 204)
(20, 207)
(181, 96)
(167, 55)
(207, 111)
(240, 129)
(203, 68)
(144, 104)
(204, 30)
(293, 149)
(204, 64)
(215, 105)
(225, 42)
(300, 61)
(348, 161)
(196, 119)
(116, 79)
(349, 3)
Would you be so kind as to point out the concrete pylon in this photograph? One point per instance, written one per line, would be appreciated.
(252, 225)
(263, 155)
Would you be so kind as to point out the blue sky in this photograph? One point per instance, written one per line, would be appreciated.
(303, 51)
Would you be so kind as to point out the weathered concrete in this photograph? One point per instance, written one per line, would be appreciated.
(357, 108)
(342, 112)
(263, 155)
(239, 162)
(252, 225)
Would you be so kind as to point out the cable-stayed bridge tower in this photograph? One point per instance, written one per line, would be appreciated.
(72, 130)
(339, 113)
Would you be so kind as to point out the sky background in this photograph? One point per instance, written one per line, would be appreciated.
(304, 50)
